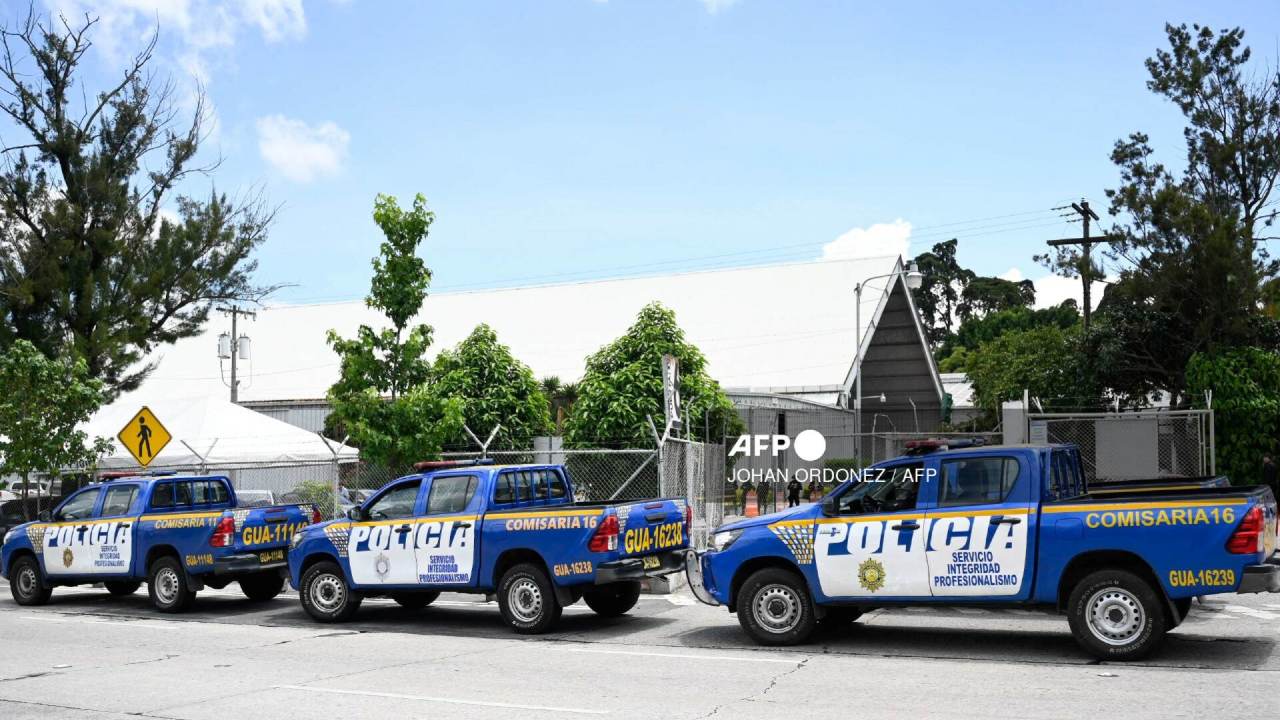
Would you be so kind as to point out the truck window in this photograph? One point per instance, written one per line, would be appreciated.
(885, 490)
(504, 490)
(79, 506)
(208, 492)
(556, 488)
(397, 502)
(118, 501)
(524, 486)
(976, 481)
(450, 494)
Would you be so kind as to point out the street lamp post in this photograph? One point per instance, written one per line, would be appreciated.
(914, 279)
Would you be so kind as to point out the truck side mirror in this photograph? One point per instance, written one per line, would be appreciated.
(44, 516)
(829, 506)
(356, 513)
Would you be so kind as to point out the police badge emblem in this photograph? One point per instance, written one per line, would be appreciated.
(871, 574)
(67, 557)
(382, 565)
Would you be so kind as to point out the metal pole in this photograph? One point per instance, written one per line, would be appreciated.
(235, 352)
(857, 378)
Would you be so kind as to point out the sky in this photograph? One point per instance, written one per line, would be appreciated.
(576, 139)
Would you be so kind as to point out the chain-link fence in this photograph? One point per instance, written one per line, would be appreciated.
(1133, 445)
(696, 472)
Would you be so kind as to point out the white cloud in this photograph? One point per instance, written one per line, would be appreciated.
(879, 240)
(1053, 289)
(277, 19)
(1012, 275)
(715, 6)
(299, 151)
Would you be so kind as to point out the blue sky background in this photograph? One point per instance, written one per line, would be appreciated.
(572, 139)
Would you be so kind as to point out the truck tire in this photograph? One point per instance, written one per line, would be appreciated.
(325, 594)
(262, 586)
(1116, 615)
(167, 586)
(26, 582)
(774, 607)
(527, 600)
(121, 588)
(614, 599)
(415, 600)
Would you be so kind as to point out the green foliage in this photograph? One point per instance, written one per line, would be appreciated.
(1189, 251)
(955, 352)
(983, 295)
(1246, 402)
(1046, 360)
(495, 388)
(88, 264)
(383, 398)
(622, 387)
(43, 402)
(939, 292)
(317, 493)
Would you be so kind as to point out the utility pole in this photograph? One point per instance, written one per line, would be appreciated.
(234, 347)
(1086, 261)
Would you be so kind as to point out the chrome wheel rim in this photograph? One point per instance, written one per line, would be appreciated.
(328, 593)
(1115, 616)
(27, 581)
(166, 583)
(526, 600)
(776, 609)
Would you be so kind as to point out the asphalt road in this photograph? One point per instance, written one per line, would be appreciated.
(87, 655)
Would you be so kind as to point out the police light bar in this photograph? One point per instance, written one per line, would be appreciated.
(123, 474)
(923, 447)
(442, 464)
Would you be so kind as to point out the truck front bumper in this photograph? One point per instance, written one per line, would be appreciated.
(693, 573)
(634, 569)
(1260, 578)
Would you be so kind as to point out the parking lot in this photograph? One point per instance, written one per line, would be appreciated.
(86, 655)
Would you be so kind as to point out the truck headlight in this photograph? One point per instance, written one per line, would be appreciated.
(295, 541)
(9, 536)
(723, 539)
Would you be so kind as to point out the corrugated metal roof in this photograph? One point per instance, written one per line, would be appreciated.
(760, 328)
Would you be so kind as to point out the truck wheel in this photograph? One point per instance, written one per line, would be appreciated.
(167, 586)
(262, 586)
(614, 599)
(122, 587)
(325, 594)
(26, 582)
(415, 601)
(1116, 615)
(527, 600)
(774, 607)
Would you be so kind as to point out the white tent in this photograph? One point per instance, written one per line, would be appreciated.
(217, 436)
(215, 433)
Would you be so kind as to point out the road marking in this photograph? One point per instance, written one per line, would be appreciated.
(97, 622)
(685, 656)
(451, 701)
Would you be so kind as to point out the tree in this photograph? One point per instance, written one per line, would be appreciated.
(42, 404)
(1190, 244)
(1246, 402)
(495, 388)
(561, 397)
(954, 353)
(622, 387)
(983, 295)
(383, 399)
(1045, 360)
(940, 287)
(89, 264)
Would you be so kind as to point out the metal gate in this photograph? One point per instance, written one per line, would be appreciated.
(1131, 445)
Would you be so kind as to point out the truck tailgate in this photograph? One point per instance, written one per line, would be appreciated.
(652, 526)
(270, 528)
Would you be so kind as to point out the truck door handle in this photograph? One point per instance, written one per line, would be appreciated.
(82, 527)
(125, 526)
(463, 525)
(404, 528)
(1006, 521)
(655, 517)
(908, 525)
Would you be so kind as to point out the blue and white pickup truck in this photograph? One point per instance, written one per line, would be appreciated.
(514, 531)
(177, 534)
(1011, 525)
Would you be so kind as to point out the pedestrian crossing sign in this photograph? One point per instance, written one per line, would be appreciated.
(144, 437)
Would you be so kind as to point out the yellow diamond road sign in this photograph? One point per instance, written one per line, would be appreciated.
(144, 437)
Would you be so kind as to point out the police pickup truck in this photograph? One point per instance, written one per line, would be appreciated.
(514, 531)
(999, 525)
(177, 534)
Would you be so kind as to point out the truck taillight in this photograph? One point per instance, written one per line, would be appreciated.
(223, 533)
(606, 536)
(1248, 537)
(315, 515)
